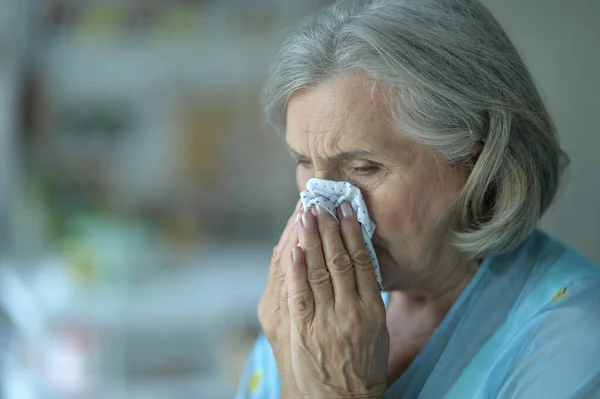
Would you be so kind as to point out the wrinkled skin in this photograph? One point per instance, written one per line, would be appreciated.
(328, 327)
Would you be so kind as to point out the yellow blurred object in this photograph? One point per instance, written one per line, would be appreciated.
(81, 263)
(101, 20)
(560, 294)
(255, 381)
(206, 128)
(178, 20)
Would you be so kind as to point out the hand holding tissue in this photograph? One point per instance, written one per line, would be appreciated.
(330, 195)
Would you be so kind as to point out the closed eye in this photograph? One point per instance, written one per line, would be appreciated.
(366, 169)
(303, 162)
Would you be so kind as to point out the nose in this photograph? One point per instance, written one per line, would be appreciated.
(327, 174)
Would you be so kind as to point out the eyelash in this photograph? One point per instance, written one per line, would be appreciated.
(361, 170)
(366, 170)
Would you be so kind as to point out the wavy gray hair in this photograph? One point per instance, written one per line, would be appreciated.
(451, 77)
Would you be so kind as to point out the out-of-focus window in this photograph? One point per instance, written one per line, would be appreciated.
(145, 194)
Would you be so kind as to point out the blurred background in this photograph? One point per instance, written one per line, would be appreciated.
(141, 192)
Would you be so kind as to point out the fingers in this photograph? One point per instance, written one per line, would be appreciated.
(272, 307)
(364, 276)
(300, 300)
(317, 273)
(288, 239)
(337, 259)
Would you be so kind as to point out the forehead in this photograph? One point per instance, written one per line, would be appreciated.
(342, 109)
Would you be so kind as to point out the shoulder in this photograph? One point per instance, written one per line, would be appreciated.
(563, 297)
(552, 262)
(556, 350)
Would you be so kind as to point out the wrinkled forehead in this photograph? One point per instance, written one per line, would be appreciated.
(337, 112)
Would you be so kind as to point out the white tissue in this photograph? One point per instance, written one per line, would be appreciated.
(329, 195)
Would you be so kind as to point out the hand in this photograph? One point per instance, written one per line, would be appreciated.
(339, 338)
(274, 318)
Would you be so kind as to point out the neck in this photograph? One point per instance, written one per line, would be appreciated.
(440, 293)
(413, 315)
(435, 304)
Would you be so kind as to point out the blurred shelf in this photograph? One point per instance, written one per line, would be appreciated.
(131, 63)
(221, 287)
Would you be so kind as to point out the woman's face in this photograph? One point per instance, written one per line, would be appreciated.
(338, 131)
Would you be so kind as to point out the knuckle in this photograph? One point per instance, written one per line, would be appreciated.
(318, 278)
(354, 319)
(303, 300)
(352, 327)
(312, 246)
(361, 258)
(340, 261)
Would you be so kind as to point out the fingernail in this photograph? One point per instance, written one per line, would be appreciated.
(307, 220)
(298, 215)
(295, 254)
(346, 210)
(313, 210)
(320, 210)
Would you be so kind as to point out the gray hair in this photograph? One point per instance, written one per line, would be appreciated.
(452, 77)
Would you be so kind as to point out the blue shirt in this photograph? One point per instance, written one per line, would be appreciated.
(527, 326)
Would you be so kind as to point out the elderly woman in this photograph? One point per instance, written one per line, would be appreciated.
(425, 109)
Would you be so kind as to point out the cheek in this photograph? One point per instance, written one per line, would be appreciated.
(389, 212)
(390, 220)
(397, 211)
(410, 215)
(406, 215)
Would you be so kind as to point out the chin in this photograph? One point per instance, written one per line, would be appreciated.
(391, 271)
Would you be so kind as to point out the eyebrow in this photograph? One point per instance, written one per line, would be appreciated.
(346, 155)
